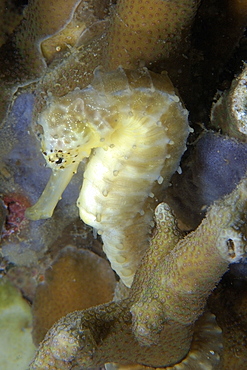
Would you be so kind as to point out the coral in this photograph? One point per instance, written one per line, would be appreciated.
(16, 347)
(86, 18)
(229, 112)
(41, 21)
(147, 31)
(77, 279)
(61, 349)
(62, 40)
(154, 326)
(205, 349)
(137, 128)
(52, 30)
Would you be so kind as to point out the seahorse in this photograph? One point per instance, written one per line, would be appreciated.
(132, 127)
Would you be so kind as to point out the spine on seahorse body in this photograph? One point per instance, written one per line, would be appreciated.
(133, 127)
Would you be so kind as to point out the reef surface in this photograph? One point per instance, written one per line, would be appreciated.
(52, 48)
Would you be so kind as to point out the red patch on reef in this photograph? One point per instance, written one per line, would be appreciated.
(16, 205)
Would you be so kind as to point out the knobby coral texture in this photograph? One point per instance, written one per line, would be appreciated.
(99, 102)
(68, 286)
(155, 324)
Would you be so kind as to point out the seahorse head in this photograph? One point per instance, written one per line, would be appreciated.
(65, 132)
(72, 125)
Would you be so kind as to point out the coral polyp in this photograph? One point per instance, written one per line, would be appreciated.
(133, 127)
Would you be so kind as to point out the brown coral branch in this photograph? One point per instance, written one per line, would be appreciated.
(166, 298)
(77, 279)
(229, 112)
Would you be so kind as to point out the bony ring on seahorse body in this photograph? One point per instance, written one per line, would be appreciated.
(133, 127)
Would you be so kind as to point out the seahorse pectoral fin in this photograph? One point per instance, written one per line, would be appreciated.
(52, 193)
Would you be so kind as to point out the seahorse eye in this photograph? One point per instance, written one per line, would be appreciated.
(59, 161)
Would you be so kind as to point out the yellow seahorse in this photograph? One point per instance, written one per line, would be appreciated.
(133, 127)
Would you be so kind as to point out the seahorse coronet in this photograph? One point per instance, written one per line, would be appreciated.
(133, 127)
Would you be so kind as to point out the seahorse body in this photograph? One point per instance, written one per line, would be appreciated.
(133, 128)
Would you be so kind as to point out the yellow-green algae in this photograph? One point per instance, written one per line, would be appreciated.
(16, 346)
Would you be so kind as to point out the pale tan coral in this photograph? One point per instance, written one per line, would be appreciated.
(199, 259)
(229, 112)
(155, 325)
(45, 26)
(41, 19)
(205, 351)
(26, 63)
(147, 31)
(77, 279)
(86, 18)
(60, 350)
(62, 40)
